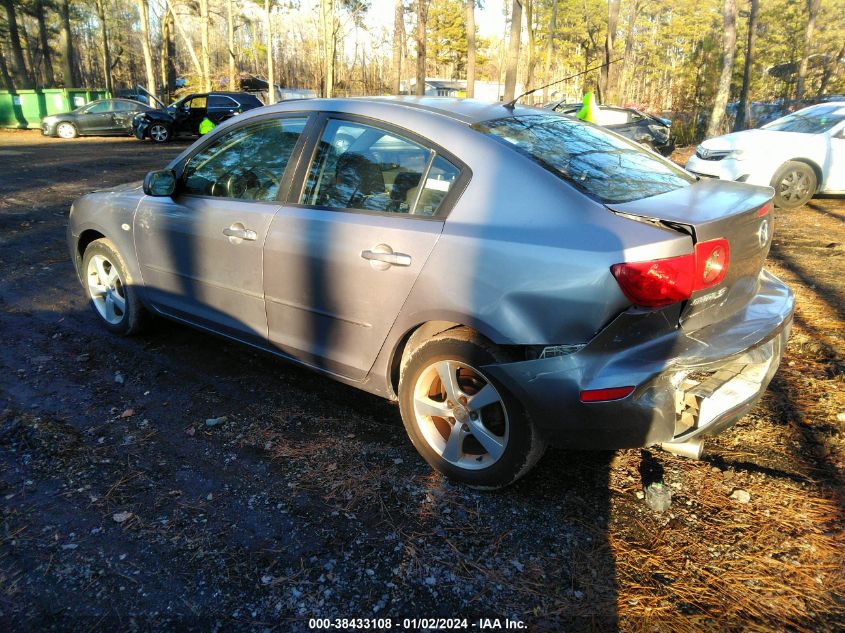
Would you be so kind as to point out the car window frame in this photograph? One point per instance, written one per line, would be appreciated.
(290, 169)
(308, 155)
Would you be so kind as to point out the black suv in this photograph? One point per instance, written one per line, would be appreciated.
(183, 117)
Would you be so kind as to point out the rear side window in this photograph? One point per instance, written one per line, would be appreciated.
(362, 167)
(221, 102)
(601, 165)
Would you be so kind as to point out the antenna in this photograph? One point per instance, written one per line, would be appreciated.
(511, 104)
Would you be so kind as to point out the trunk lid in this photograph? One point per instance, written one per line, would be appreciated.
(708, 210)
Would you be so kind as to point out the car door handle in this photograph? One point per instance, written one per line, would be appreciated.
(382, 257)
(239, 232)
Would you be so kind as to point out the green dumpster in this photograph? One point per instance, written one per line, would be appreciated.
(26, 108)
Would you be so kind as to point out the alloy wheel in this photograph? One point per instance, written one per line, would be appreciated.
(66, 130)
(106, 289)
(159, 133)
(461, 415)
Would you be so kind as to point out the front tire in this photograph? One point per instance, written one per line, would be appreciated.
(463, 423)
(66, 130)
(794, 183)
(159, 133)
(110, 289)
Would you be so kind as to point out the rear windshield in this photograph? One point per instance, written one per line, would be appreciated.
(810, 121)
(598, 163)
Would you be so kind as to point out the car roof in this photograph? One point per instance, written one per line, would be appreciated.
(468, 111)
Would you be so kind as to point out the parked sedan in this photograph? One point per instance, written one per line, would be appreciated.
(105, 117)
(511, 277)
(183, 117)
(800, 155)
(648, 130)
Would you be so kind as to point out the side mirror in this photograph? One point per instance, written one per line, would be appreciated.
(160, 183)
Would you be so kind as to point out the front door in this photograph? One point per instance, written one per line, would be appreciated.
(96, 119)
(340, 262)
(201, 250)
(836, 168)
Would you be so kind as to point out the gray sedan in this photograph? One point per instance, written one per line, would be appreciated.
(511, 277)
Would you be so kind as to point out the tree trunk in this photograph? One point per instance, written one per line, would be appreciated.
(327, 12)
(230, 43)
(470, 4)
(550, 50)
(422, 17)
(205, 54)
(144, 14)
(513, 51)
(717, 115)
(607, 72)
(168, 56)
(629, 47)
(69, 75)
(104, 36)
(812, 12)
(532, 57)
(398, 30)
(743, 112)
(49, 75)
(19, 72)
(4, 71)
(271, 77)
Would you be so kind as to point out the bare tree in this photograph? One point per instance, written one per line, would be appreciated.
(812, 12)
(728, 52)
(629, 44)
(104, 36)
(550, 49)
(44, 40)
(470, 4)
(230, 42)
(832, 69)
(608, 74)
(168, 55)
(743, 112)
(328, 28)
(532, 56)
(144, 15)
(422, 16)
(205, 53)
(513, 50)
(398, 32)
(21, 77)
(69, 74)
(4, 71)
(194, 59)
(271, 79)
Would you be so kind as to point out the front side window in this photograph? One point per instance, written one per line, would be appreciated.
(358, 166)
(247, 163)
(598, 163)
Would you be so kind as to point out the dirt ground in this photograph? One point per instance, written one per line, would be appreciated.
(122, 508)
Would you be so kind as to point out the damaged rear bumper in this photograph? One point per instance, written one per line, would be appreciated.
(687, 384)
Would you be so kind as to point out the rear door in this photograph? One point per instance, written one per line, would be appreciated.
(342, 255)
(200, 251)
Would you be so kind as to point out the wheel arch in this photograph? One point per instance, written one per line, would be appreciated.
(85, 238)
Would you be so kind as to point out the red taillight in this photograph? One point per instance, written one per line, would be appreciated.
(662, 282)
(764, 209)
(602, 395)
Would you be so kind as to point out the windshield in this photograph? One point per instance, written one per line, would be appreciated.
(810, 121)
(598, 163)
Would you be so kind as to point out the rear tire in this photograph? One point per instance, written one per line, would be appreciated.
(795, 184)
(473, 430)
(111, 290)
(159, 133)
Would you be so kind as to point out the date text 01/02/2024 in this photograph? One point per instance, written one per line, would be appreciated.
(414, 624)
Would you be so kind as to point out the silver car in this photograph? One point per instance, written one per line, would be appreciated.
(511, 277)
